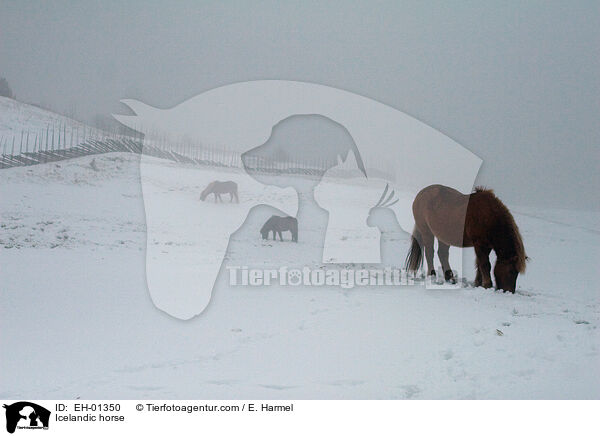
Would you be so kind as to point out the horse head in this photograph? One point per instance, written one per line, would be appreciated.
(505, 272)
(264, 231)
(207, 191)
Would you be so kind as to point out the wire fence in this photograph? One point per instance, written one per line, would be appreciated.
(62, 142)
(59, 142)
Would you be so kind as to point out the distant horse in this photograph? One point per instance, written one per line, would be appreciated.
(280, 224)
(478, 220)
(217, 188)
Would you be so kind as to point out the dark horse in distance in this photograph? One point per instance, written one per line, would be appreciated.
(278, 224)
(478, 220)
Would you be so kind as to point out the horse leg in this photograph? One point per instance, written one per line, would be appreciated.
(428, 247)
(483, 277)
(280, 236)
(477, 282)
(443, 254)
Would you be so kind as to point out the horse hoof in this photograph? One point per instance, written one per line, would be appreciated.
(449, 276)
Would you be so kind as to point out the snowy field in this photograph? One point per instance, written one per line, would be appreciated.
(77, 321)
(18, 118)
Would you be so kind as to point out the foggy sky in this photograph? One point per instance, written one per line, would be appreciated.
(517, 83)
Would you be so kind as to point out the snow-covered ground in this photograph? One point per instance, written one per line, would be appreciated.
(77, 321)
(33, 127)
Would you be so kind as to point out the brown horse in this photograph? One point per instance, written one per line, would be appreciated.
(479, 220)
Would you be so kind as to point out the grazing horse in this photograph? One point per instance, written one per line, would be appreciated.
(278, 224)
(478, 220)
(217, 188)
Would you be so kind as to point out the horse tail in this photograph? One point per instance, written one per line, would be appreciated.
(414, 259)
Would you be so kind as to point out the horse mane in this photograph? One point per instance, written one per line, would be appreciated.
(484, 189)
(508, 221)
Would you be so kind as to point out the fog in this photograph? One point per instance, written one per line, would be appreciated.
(518, 84)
